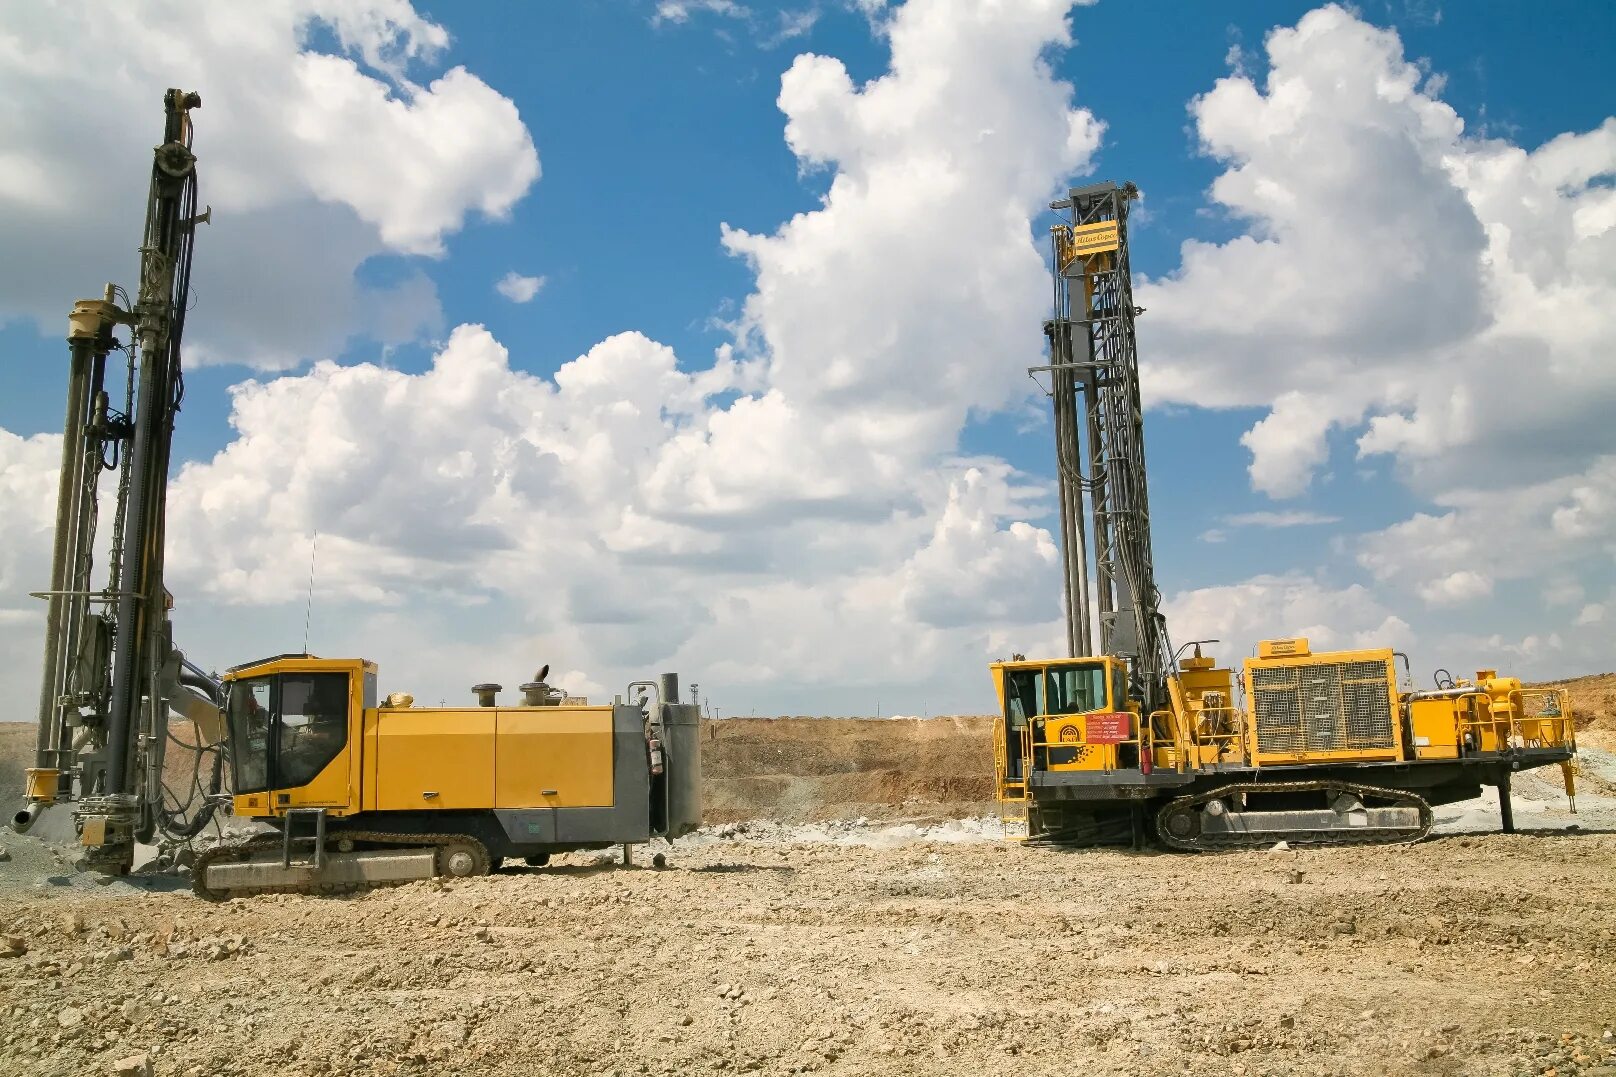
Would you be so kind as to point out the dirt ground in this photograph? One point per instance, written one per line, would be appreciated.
(860, 951)
(874, 923)
(876, 768)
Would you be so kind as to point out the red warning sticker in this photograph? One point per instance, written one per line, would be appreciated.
(1109, 728)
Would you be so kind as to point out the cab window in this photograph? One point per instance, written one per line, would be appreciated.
(250, 714)
(1076, 689)
(1024, 696)
(313, 727)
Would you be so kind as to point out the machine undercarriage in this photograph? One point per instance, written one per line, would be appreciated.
(313, 857)
(348, 861)
(1237, 807)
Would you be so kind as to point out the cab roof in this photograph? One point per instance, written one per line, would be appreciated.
(1044, 663)
(295, 660)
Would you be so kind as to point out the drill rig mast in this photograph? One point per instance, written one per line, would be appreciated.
(1121, 740)
(1094, 366)
(111, 672)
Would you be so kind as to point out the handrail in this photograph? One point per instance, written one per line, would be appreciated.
(1168, 728)
(1481, 715)
(1178, 738)
(1143, 738)
(1188, 740)
(999, 762)
(1561, 721)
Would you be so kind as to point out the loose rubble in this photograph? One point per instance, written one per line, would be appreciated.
(899, 941)
(756, 953)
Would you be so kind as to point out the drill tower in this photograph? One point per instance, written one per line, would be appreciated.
(110, 669)
(1094, 367)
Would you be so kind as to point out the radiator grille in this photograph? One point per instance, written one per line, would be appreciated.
(1322, 707)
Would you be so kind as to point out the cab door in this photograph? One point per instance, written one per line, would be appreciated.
(312, 752)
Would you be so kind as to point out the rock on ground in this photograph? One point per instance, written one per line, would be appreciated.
(756, 952)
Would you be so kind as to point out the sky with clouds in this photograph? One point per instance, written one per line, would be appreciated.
(693, 334)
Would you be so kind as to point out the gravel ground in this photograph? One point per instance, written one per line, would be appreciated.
(842, 946)
(867, 950)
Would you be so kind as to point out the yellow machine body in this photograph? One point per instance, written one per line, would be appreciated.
(1352, 756)
(1489, 714)
(550, 757)
(415, 759)
(42, 784)
(1204, 727)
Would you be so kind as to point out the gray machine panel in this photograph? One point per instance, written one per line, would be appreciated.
(528, 826)
(629, 817)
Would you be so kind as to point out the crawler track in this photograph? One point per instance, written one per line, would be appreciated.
(267, 848)
(1178, 821)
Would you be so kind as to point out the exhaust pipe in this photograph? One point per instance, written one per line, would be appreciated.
(44, 786)
(536, 693)
(25, 818)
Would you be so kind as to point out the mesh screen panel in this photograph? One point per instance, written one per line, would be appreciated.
(1322, 707)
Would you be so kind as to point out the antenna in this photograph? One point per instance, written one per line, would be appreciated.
(308, 609)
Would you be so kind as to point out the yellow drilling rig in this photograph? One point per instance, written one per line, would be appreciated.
(360, 790)
(1132, 740)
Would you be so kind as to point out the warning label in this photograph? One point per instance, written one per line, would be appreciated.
(1109, 728)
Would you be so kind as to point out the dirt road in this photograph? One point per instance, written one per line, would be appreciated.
(863, 952)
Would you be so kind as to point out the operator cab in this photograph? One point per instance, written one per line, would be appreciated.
(292, 719)
(1067, 714)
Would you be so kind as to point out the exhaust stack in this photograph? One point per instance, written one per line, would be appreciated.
(536, 693)
(681, 741)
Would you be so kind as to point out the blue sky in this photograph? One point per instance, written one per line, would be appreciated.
(657, 124)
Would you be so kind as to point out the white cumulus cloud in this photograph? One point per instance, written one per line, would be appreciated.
(299, 155)
(1394, 272)
(529, 501)
(1533, 533)
(678, 11)
(517, 288)
(1281, 606)
(793, 519)
(1288, 518)
(28, 478)
(1458, 587)
(1445, 299)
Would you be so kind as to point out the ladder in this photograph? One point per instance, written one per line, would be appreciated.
(1010, 790)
